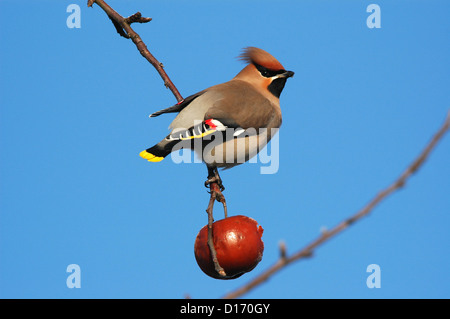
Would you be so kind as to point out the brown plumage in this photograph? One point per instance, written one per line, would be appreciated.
(247, 103)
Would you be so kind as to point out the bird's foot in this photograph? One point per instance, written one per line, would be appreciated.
(214, 183)
(215, 179)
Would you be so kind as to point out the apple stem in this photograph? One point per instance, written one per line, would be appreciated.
(215, 186)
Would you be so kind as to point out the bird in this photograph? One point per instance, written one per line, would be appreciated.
(229, 123)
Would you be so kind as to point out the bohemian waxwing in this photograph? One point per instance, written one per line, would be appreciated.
(229, 123)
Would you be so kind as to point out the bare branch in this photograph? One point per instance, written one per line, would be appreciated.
(326, 235)
(123, 27)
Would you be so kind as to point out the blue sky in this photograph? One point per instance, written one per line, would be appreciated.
(362, 105)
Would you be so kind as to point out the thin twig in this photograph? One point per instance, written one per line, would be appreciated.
(326, 235)
(123, 27)
(283, 250)
(214, 192)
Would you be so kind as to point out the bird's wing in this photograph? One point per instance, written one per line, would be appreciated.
(244, 108)
(236, 104)
(200, 130)
(179, 106)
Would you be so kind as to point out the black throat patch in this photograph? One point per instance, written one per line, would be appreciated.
(277, 86)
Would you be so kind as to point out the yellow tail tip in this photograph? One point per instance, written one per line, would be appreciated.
(150, 157)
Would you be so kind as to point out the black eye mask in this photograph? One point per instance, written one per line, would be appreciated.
(267, 72)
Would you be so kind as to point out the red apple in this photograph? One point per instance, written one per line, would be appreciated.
(238, 244)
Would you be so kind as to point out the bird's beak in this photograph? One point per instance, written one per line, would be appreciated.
(288, 74)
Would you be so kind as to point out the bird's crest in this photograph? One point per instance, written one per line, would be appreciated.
(260, 57)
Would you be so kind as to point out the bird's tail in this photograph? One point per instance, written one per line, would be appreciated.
(156, 153)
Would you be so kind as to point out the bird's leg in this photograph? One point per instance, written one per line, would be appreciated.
(215, 186)
(214, 182)
(214, 177)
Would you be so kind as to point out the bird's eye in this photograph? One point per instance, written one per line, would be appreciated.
(267, 72)
(264, 72)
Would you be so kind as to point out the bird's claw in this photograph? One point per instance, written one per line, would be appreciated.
(217, 180)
